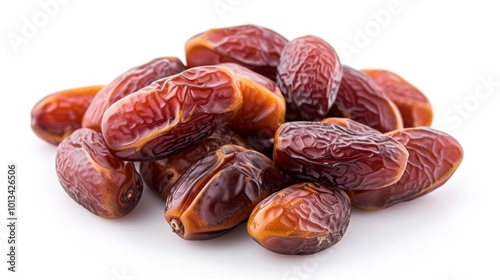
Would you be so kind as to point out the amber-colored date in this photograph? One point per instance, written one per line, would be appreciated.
(433, 158)
(351, 124)
(172, 113)
(309, 75)
(252, 46)
(160, 175)
(219, 192)
(127, 83)
(337, 156)
(94, 178)
(360, 99)
(57, 115)
(415, 108)
(300, 219)
(263, 109)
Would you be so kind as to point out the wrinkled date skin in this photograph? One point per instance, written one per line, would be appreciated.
(337, 156)
(351, 124)
(309, 75)
(219, 192)
(57, 115)
(301, 219)
(160, 175)
(127, 83)
(263, 109)
(415, 108)
(360, 99)
(172, 113)
(252, 46)
(434, 157)
(94, 178)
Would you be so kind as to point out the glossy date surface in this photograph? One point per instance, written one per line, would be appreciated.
(360, 99)
(57, 115)
(301, 219)
(255, 47)
(415, 108)
(219, 192)
(160, 175)
(337, 156)
(263, 109)
(127, 83)
(433, 158)
(172, 113)
(309, 76)
(103, 184)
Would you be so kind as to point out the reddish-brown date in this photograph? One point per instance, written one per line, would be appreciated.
(219, 192)
(94, 178)
(160, 175)
(415, 108)
(252, 46)
(351, 124)
(309, 75)
(57, 115)
(301, 219)
(360, 99)
(337, 156)
(433, 158)
(127, 83)
(263, 109)
(172, 113)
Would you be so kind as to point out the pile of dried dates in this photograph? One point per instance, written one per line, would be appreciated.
(253, 129)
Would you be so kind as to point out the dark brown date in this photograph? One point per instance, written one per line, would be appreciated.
(309, 75)
(172, 113)
(300, 219)
(94, 178)
(351, 124)
(219, 192)
(252, 46)
(160, 175)
(415, 108)
(433, 158)
(337, 156)
(127, 83)
(360, 99)
(263, 109)
(57, 115)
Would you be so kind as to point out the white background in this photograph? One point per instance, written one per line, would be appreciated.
(446, 49)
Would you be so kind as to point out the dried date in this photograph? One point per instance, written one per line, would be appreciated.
(94, 178)
(160, 175)
(127, 83)
(360, 99)
(415, 108)
(337, 156)
(57, 115)
(252, 46)
(263, 109)
(172, 113)
(301, 219)
(309, 75)
(433, 158)
(219, 192)
(351, 124)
